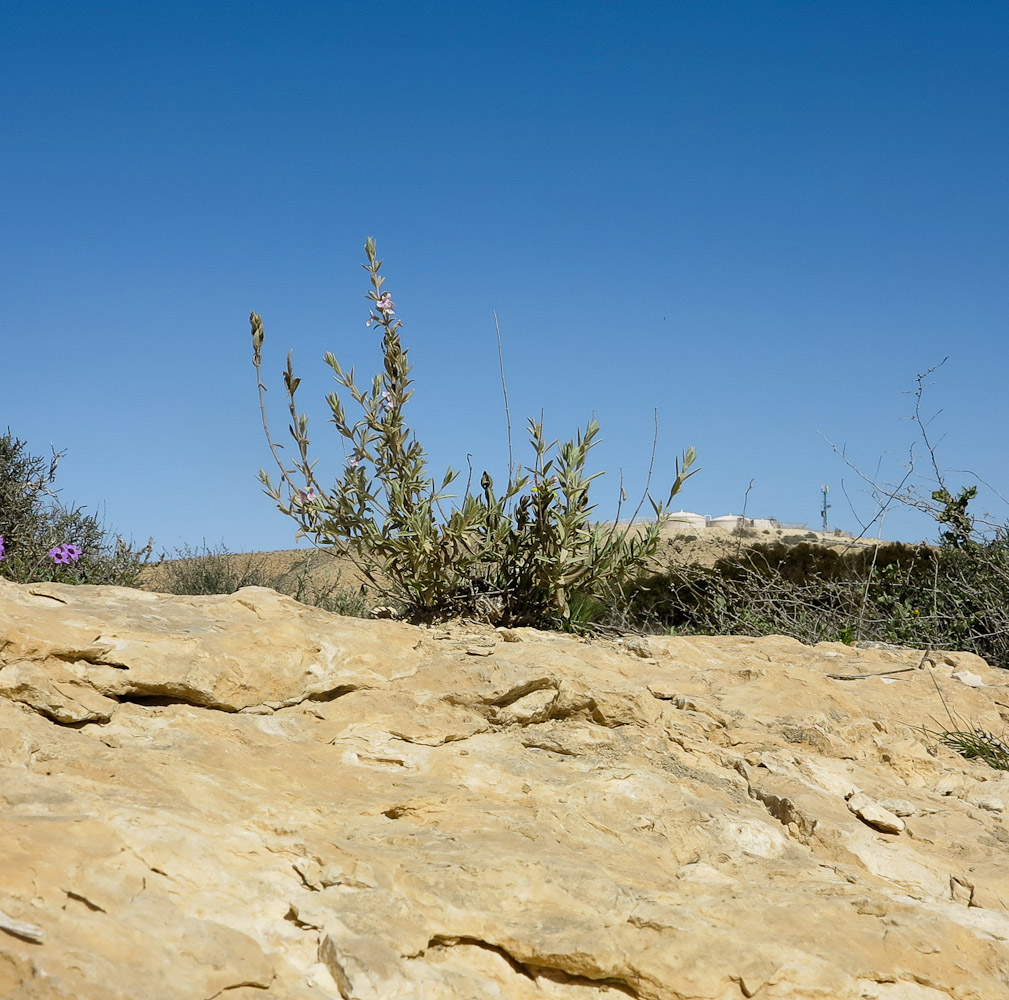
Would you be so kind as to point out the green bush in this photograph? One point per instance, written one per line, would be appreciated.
(520, 556)
(40, 539)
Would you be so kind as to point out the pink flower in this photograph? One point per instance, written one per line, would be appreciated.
(385, 304)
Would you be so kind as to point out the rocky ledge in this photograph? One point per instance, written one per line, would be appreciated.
(241, 798)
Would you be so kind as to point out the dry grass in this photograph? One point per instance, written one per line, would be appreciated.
(319, 571)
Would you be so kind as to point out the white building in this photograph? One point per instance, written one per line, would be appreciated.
(730, 522)
(684, 520)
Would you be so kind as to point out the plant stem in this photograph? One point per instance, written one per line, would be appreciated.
(504, 390)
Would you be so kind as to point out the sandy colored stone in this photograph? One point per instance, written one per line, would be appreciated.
(242, 797)
(877, 816)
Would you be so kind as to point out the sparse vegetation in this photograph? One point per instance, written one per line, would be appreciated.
(213, 571)
(527, 554)
(42, 539)
(219, 571)
(943, 597)
(954, 595)
(974, 744)
(971, 741)
(531, 553)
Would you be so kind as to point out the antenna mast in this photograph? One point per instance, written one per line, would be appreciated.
(825, 490)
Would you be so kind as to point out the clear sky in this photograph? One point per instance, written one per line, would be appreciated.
(762, 219)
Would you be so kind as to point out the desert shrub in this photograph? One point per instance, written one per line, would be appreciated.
(966, 604)
(734, 597)
(213, 571)
(806, 562)
(943, 597)
(41, 539)
(954, 595)
(220, 571)
(513, 557)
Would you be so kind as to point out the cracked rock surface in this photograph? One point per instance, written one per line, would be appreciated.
(240, 797)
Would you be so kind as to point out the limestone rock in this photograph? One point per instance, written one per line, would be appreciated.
(877, 816)
(243, 797)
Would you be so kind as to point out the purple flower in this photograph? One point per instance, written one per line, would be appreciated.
(355, 462)
(304, 497)
(64, 554)
(385, 304)
(1, 548)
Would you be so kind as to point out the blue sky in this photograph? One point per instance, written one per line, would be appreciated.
(762, 219)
